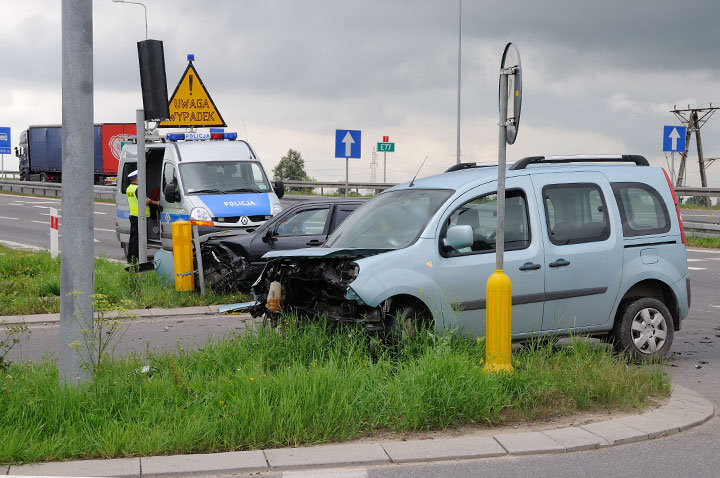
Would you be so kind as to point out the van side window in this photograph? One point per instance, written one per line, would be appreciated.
(641, 209)
(575, 213)
(481, 214)
(125, 181)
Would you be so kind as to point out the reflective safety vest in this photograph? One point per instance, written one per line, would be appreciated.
(131, 192)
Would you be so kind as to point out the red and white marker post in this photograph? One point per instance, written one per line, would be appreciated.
(54, 232)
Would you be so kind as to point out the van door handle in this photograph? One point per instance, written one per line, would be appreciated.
(559, 263)
(313, 243)
(529, 266)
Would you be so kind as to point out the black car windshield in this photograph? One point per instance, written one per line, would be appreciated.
(392, 220)
(222, 177)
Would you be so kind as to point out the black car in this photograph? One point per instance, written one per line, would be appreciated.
(233, 260)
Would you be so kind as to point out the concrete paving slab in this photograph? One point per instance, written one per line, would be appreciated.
(197, 310)
(40, 318)
(576, 439)
(4, 469)
(238, 461)
(328, 455)
(528, 443)
(443, 449)
(704, 408)
(682, 418)
(615, 433)
(12, 319)
(653, 424)
(116, 467)
(684, 390)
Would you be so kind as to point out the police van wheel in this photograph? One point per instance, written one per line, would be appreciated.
(645, 329)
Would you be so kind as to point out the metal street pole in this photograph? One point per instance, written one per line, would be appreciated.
(141, 190)
(502, 149)
(78, 137)
(347, 175)
(458, 78)
(385, 166)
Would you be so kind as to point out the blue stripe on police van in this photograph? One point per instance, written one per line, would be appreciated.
(123, 213)
(230, 205)
(167, 218)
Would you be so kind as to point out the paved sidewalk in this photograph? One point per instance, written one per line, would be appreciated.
(685, 409)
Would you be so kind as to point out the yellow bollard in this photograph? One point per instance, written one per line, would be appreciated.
(498, 319)
(183, 256)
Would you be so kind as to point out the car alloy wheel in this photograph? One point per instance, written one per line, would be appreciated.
(649, 330)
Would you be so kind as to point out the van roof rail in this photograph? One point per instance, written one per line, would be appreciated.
(461, 166)
(581, 158)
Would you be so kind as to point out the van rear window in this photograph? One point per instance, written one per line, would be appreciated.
(642, 209)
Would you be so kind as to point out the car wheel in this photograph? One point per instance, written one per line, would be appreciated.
(404, 320)
(645, 329)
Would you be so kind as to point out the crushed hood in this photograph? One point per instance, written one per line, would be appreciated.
(323, 252)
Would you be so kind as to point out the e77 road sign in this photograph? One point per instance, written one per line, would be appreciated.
(674, 138)
(347, 143)
(386, 147)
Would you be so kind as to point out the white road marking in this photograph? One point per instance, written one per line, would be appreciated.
(696, 260)
(13, 218)
(96, 212)
(697, 268)
(52, 201)
(42, 207)
(105, 230)
(42, 222)
(331, 473)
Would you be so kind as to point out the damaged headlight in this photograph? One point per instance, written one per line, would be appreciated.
(350, 294)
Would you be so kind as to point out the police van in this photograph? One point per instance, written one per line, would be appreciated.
(213, 180)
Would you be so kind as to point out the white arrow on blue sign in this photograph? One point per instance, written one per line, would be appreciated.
(674, 138)
(347, 143)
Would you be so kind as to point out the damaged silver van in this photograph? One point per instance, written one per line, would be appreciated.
(591, 247)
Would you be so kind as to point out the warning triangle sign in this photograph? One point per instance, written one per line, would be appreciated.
(191, 105)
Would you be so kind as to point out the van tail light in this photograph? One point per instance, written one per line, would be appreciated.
(677, 207)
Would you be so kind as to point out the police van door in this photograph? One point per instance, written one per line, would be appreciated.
(171, 203)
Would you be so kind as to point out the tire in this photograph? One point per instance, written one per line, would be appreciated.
(404, 320)
(645, 329)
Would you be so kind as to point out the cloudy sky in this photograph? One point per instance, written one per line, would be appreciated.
(599, 76)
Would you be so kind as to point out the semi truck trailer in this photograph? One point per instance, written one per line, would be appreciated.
(40, 151)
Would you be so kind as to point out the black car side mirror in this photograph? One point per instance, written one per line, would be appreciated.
(171, 193)
(279, 189)
(268, 236)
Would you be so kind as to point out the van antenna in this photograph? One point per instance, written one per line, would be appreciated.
(245, 129)
(412, 181)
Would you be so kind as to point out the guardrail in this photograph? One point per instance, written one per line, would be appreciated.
(702, 192)
(337, 186)
(40, 188)
(10, 175)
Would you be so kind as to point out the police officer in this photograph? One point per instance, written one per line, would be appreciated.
(131, 192)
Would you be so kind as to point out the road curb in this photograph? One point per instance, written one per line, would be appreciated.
(685, 409)
(45, 319)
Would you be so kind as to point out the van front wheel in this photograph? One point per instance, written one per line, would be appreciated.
(645, 329)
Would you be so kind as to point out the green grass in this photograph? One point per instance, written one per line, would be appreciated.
(707, 241)
(30, 284)
(298, 386)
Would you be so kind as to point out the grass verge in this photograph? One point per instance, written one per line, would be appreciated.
(706, 241)
(301, 385)
(30, 284)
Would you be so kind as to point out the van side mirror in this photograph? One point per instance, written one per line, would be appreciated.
(171, 193)
(279, 189)
(458, 237)
(17, 153)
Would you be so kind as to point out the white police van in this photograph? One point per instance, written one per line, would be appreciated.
(211, 179)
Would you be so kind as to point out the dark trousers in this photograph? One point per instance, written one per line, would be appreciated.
(133, 245)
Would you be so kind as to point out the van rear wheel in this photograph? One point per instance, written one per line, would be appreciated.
(645, 329)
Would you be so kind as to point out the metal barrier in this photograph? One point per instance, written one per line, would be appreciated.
(40, 188)
(10, 175)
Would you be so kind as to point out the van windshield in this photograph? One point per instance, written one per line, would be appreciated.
(223, 177)
(392, 220)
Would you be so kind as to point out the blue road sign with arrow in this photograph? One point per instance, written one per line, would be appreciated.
(674, 138)
(347, 143)
(5, 145)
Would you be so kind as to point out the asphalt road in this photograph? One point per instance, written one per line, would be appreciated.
(26, 220)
